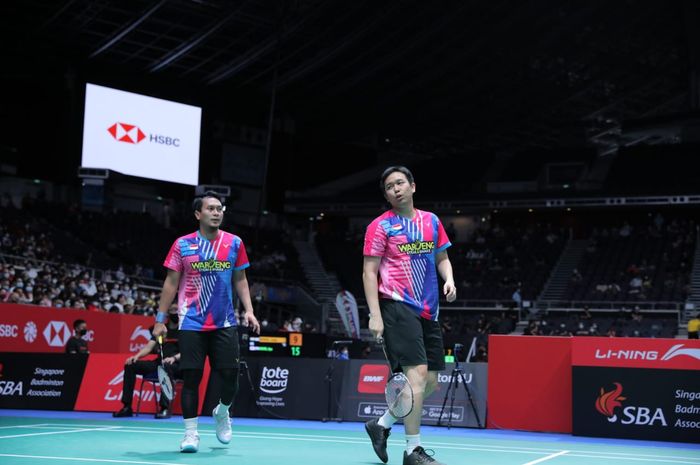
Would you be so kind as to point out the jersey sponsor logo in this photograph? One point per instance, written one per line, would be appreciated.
(211, 265)
(417, 247)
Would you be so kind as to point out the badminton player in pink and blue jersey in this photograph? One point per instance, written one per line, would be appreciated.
(203, 268)
(405, 249)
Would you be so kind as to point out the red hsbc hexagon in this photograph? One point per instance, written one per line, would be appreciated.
(126, 133)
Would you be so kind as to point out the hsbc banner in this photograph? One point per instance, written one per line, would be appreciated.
(637, 388)
(30, 328)
(141, 136)
(40, 381)
(363, 394)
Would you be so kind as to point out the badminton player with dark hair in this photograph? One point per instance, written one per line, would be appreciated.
(204, 269)
(404, 250)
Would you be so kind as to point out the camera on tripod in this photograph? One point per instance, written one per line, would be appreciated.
(459, 353)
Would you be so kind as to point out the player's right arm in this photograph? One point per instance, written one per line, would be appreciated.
(167, 295)
(370, 268)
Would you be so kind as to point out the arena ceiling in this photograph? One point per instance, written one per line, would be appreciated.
(431, 76)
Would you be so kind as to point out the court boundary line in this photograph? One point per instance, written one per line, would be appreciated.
(641, 457)
(82, 430)
(82, 459)
(549, 457)
(361, 440)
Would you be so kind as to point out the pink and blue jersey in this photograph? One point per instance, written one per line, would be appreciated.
(408, 248)
(205, 294)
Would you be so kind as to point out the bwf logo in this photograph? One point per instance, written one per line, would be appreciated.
(132, 134)
(274, 380)
(372, 379)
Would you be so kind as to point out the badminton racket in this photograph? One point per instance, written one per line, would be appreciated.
(398, 391)
(166, 387)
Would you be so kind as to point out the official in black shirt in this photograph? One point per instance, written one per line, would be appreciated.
(76, 344)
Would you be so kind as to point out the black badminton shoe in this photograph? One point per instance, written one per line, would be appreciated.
(378, 434)
(419, 457)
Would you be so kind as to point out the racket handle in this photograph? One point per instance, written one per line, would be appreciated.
(160, 339)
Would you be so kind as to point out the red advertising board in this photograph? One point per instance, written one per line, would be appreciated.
(665, 354)
(529, 386)
(30, 328)
(101, 389)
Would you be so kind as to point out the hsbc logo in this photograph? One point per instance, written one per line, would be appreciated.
(56, 333)
(372, 379)
(126, 133)
(132, 134)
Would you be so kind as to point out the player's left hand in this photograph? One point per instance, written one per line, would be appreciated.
(450, 291)
(252, 322)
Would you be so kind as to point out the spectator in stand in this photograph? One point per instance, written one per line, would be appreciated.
(694, 327)
(76, 344)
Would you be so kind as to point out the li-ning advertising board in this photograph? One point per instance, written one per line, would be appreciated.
(141, 136)
(636, 388)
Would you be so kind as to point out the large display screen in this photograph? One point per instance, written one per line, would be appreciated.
(141, 136)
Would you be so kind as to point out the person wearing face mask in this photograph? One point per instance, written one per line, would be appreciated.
(76, 344)
(135, 366)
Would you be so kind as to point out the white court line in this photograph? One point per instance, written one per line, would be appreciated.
(38, 425)
(637, 458)
(82, 459)
(108, 428)
(549, 457)
(272, 435)
(443, 445)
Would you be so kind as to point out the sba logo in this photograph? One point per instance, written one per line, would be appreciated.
(608, 401)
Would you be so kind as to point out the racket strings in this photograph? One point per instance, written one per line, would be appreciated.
(399, 395)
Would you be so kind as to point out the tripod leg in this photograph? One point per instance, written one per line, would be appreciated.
(444, 402)
(471, 401)
(454, 382)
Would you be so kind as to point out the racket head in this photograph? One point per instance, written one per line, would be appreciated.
(399, 395)
(166, 387)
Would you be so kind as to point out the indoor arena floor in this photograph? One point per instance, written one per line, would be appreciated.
(55, 438)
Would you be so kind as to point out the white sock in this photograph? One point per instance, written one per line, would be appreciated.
(191, 424)
(412, 441)
(387, 420)
(222, 410)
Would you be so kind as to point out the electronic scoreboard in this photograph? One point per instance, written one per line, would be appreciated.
(284, 344)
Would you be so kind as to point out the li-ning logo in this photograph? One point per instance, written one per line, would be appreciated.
(607, 401)
(417, 247)
(675, 351)
(126, 133)
(678, 349)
